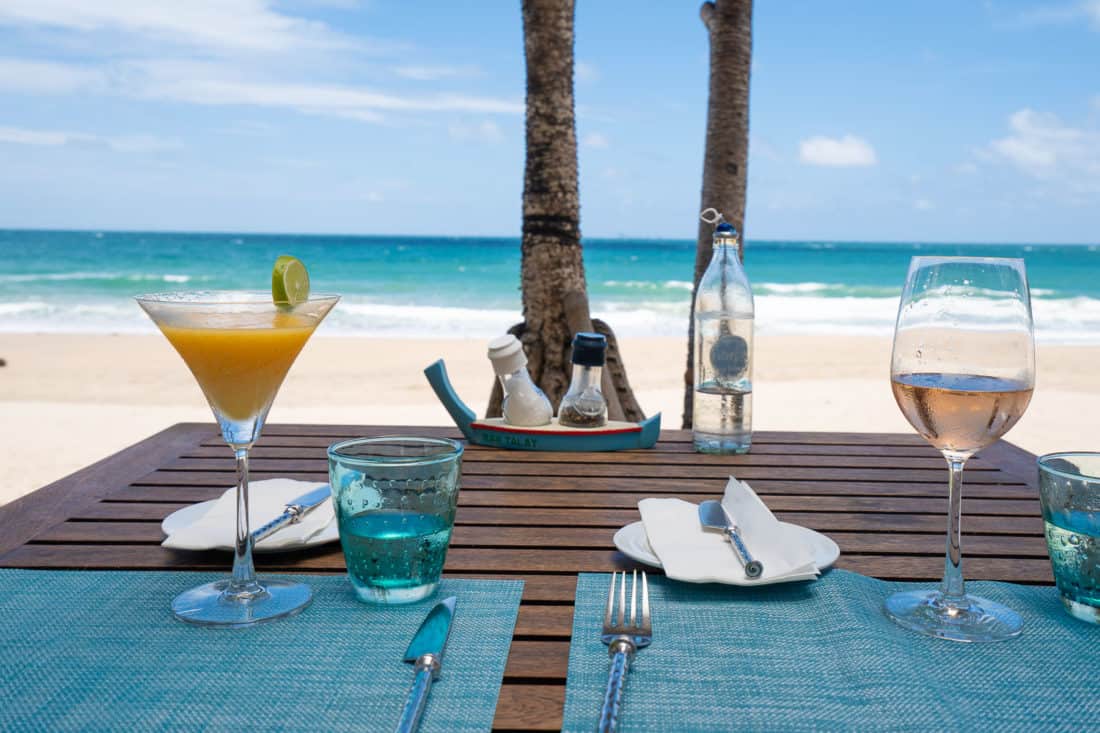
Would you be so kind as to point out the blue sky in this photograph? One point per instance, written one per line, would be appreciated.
(935, 120)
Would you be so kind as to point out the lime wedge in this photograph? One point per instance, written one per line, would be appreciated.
(289, 281)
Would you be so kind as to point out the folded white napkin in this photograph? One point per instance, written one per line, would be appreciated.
(688, 552)
(217, 527)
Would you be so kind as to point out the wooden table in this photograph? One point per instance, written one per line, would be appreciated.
(543, 517)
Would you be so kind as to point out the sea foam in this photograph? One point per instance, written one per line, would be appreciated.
(1059, 320)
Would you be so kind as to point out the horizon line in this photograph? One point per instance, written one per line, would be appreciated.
(262, 233)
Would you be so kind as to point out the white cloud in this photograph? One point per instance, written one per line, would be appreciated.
(585, 71)
(221, 84)
(222, 24)
(331, 98)
(339, 4)
(25, 75)
(760, 147)
(249, 128)
(1063, 161)
(1063, 14)
(1040, 145)
(1092, 10)
(847, 151)
(18, 136)
(434, 73)
(141, 144)
(595, 140)
(56, 138)
(151, 50)
(487, 131)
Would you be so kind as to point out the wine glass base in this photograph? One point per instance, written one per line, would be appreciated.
(211, 605)
(972, 619)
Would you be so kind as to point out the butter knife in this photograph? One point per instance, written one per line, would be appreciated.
(425, 652)
(712, 515)
(293, 512)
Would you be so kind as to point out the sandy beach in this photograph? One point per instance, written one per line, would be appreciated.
(69, 400)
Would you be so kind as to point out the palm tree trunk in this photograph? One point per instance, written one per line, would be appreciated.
(725, 162)
(552, 263)
(555, 300)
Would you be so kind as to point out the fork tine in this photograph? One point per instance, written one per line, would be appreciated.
(634, 599)
(622, 598)
(610, 602)
(645, 601)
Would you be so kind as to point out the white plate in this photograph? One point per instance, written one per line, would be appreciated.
(632, 542)
(190, 514)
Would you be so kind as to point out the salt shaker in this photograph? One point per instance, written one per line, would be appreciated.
(584, 405)
(524, 404)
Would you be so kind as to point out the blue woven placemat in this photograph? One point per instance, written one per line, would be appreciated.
(822, 656)
(100, 651)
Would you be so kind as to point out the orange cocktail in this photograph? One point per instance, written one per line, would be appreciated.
(241, 369)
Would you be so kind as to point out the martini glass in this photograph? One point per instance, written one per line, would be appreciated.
(239, 345)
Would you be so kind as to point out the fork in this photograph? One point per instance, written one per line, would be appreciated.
(622, 639)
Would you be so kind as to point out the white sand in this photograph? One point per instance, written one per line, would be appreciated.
(69, 400)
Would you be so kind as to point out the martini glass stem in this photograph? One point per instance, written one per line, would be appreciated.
(952, 588)
(243, 586)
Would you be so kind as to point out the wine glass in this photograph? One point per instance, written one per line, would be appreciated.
(962, 372)
(239, 345)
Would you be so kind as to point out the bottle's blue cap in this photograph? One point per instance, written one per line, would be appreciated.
(589, 349)
(725, 229)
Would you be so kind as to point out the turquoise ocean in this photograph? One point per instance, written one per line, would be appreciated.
(433, 287)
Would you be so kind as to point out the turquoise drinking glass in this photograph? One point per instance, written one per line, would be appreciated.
(1069, 489)
(395, 500)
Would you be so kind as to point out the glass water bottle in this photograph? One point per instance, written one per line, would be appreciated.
(722, 403)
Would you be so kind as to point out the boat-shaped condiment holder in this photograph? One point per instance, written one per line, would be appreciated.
(493, 432)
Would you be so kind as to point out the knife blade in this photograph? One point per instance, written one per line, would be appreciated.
(425, 652)
(712, 515)
(293, 512)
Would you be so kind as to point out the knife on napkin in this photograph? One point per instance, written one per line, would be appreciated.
(425, 652)
(712, 515)
(293, 512)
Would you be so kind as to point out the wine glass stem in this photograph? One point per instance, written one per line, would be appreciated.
(243, 586)
(952, 588)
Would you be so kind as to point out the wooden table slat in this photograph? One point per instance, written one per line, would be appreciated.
(573, 538)
(474, 462)
(823, 521)
(580, 500)
(174, 485)
(315, 469)
(271, 446)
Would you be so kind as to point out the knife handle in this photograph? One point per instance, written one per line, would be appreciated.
(753, 568)
(621, 654)
(427, 667)
(287, 517)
